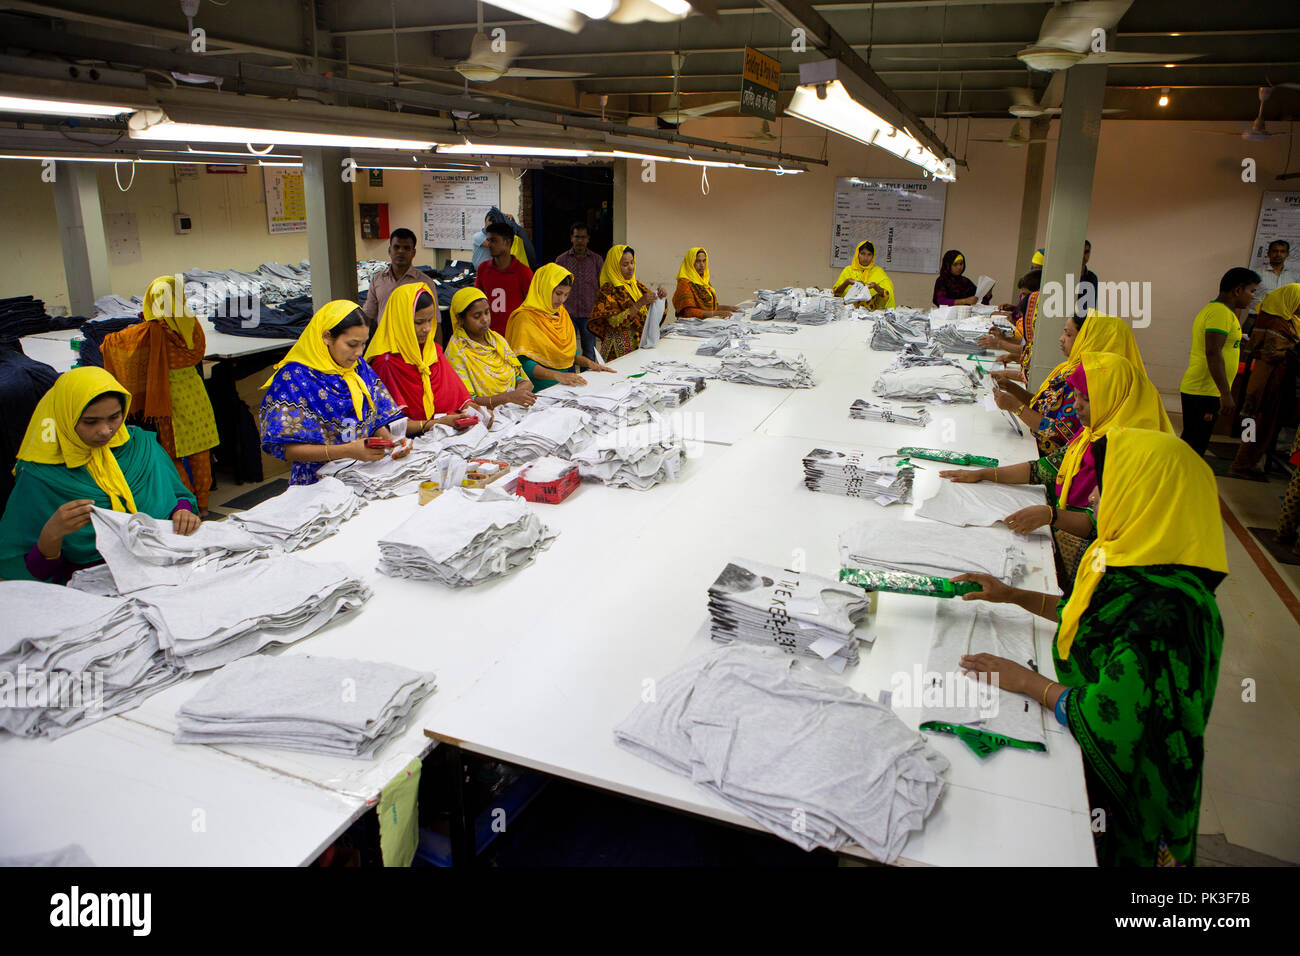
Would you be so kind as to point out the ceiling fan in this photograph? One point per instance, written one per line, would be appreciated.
(485, 64)
(1065, 38)
(1024, 105)
(675, 115)
(1257, 132)
(1018, 137)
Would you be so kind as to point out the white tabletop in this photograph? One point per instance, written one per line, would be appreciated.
(220, 345)
(57, 353)
(537, 668)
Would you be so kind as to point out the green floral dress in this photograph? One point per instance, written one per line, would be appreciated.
(1142, 671)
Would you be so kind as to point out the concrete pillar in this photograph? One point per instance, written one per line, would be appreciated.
(1031, 199)
(1067, 217)
(331, 228)
(81, 234)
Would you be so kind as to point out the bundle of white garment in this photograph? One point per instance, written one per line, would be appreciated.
(765, 368)
(221, 616)
(620, 404)
(143, 552)
(388, 477)
(815, 762)
(941, 383)
(799, 612)
(637, 456)
(554, 430)
(919, 547)
(71, 658)
(953, 697)
(858, 474)
(981, 503)
(302, 514)
(298, 702)
(464, 537)
(866, 411)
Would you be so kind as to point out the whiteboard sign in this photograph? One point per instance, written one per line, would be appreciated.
(286, 200)
(903, 218)
(1279, 218)
(454, 205)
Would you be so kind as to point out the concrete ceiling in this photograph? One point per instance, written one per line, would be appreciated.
(943, 59)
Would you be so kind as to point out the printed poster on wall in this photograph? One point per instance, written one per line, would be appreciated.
(1279, 218)
(902, 217)
(454, 205)
(286, 200)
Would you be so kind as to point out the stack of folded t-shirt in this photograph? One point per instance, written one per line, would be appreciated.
(814, 761)
(919, 547)
(388, 477)
(980, 503)
(144, 552)
(554, 430)
(221, 616)
(301, 515)
(941, 383)
(866, 411)
(765, 368)
(464, 537)
(72, 657)
(640, 456)
(799, 612)
(321, 705)
(857, 474)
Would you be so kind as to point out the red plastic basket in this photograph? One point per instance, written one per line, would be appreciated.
(549, 492)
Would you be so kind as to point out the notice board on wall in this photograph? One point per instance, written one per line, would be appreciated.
(454, 205)
(286, 200)
(903, 218)
(1279, 218)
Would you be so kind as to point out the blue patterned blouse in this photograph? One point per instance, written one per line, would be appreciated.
(307, 407)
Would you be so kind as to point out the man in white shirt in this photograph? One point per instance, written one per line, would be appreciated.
(1277, 274)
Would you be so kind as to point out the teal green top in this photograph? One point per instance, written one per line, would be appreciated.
(39, 491)
(540, 383)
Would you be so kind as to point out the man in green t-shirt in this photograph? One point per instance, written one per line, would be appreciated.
(1206, 389)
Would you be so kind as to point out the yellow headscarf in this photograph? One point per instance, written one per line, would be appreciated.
(1159, 505)
(1037, 258)
(611, 274)
(164, 301)
(1120, 395)
(52, 438)
(310, 350)
(856, 272)
(518, 250)
(396, 334)
(486, 376)
(1100, 333)
(687, 271)
(1283, 302)
(544, 334)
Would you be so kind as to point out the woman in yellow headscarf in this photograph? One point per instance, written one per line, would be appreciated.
(1137, 646)
(619, 314)
(323, 400)
(78, 453)
(1050, 411)
(542, 334)
(1276, 332)
(863, 269)
(695, 297)
(483, 359)
(406, 356)
(157, 362)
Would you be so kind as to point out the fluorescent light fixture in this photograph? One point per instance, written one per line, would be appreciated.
(68, 159)
(262, 162)
(154, 125)
(823, 100)
(691, 161)
(659, 11)
(568, 15)
(27, 104)
(506, 150)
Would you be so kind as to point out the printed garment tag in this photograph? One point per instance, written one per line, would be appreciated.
(825, 646)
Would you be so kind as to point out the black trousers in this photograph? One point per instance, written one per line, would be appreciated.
(1196, 428)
